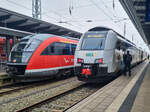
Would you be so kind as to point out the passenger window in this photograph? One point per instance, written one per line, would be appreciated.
(59, 49)
(45, 52)
(73, 48)
(52, 49)
(66, 49)
(49, 50)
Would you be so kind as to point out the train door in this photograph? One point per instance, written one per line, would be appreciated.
(117, 61)
(110, 51)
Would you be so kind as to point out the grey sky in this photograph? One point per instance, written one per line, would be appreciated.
(101, 13)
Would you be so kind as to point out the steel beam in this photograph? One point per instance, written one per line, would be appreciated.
(16, 23)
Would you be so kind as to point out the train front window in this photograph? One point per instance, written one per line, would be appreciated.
(93, 41)
(32, 45)
(23, 50)
(20, 57)
(27, 45)
(20, 45)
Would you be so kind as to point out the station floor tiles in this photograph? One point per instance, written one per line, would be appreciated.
(114, 97)
(142, 101)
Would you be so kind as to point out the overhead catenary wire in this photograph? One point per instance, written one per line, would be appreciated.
(60, 21)
(76, 7)
(10, 1)
(87, 5)
(108, 8)
(55, 19)
(46, 13)
(93, 2)
(62, 16)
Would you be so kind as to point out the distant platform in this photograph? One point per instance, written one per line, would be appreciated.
(3, 73)
(124, 94)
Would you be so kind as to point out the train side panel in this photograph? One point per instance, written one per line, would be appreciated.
(52, 55)
(110, 54)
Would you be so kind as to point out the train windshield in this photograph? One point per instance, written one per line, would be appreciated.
(23, 50)
(93, 41)
(27, 45)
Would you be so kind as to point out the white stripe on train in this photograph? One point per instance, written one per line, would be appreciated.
(47, 69)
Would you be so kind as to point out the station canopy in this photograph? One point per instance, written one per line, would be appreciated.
(20, 22)
(139, 13)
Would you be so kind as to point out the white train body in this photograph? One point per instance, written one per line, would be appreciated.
(100, 53)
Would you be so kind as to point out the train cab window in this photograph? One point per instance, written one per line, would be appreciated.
(20, 46)
(94, 41)
(32, 45)
(26, 45)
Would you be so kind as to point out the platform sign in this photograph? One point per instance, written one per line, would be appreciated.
(147, 10)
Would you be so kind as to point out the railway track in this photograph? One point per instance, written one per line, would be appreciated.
(7, 89)
(64, 100)
(5, 80)
(11, 88)
(24, 98)
(32, 97)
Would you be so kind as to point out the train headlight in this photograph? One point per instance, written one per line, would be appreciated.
(79, 60)
(100, 61)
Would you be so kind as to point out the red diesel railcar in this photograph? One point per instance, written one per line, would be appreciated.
(41, 56)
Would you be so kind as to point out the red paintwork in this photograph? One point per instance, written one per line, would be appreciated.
(3, 41)
(38, 61)
(2, 45)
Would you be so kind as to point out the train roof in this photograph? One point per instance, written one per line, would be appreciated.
(107, 29)
(43, 37)
(100, 28)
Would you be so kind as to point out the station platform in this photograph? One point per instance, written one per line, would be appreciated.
(2, 73)
(124, 94)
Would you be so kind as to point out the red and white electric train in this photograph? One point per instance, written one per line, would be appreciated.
(99, 54)
(41, 56)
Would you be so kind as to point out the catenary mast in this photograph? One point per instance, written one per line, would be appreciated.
(36, 9)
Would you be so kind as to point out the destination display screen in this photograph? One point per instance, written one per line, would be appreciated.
(96, 36)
